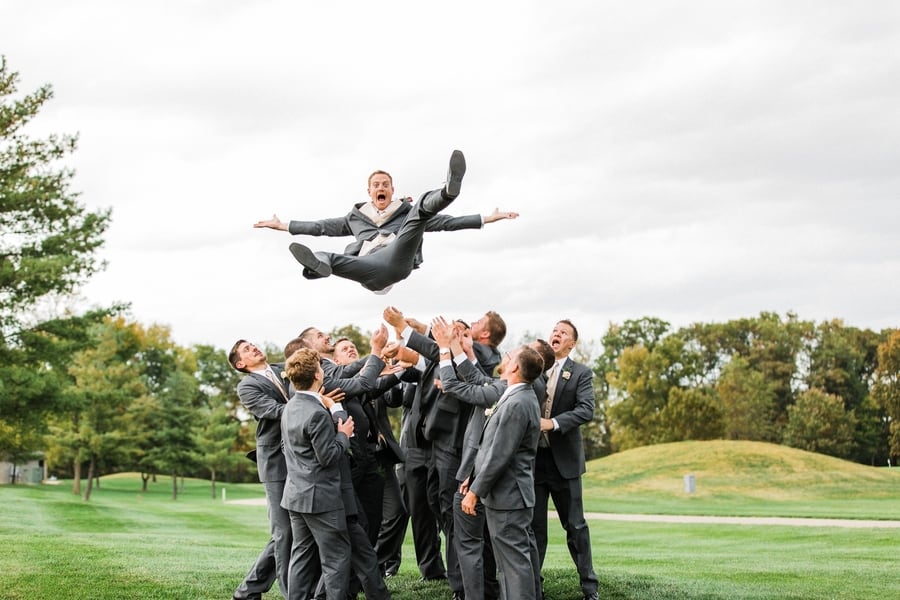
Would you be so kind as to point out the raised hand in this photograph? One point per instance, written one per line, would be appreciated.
(442, 332)
(394, 318)
(499, 215)
(273, 223)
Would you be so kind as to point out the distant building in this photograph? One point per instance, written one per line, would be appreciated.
(32, 472)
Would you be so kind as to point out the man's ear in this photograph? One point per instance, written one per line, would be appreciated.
(239, 365)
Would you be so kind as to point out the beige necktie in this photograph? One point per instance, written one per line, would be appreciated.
(552, 378)
(270, 375)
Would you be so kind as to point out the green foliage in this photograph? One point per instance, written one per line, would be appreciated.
(748, 403)
(49, 238)
(887, 389)
(359, 338)
(47, 245)
(818, 422)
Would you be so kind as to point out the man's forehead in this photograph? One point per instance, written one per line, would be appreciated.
(564, 327)
(379, 178)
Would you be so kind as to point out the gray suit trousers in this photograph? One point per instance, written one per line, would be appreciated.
(280, 525)
(394, 262)
(513, 541)
(327, 533)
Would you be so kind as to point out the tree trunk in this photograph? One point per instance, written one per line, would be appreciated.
(90, 479)
(212, 478)
(145, 477)
(76, 476)
(174, 486)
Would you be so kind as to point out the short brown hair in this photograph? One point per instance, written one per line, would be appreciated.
(496, 327)
(301, 368)
(572, 325)
(546, 352)
(233, 355)
(292, 346)
(531, 364)
(380, 172)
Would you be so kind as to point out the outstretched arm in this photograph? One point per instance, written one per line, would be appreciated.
(336, 227)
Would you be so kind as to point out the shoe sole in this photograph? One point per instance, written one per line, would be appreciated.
(305, 257)
(457, 170)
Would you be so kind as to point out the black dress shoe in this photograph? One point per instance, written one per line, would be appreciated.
(308, 259)
(455, 175)
(592, 596)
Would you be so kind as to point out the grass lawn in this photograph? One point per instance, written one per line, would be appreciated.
(126, 544)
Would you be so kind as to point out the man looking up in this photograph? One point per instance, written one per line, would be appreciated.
(388, 231)
(559, 465)
(263, 394)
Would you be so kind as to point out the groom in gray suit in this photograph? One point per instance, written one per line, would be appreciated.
(388, 231)
(503, 478)
(312, 494)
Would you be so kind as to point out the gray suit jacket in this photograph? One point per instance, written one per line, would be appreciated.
(265, 401)
(468, 384)
(313, 451)
(504, 474)
(573, 405)
(358, 225)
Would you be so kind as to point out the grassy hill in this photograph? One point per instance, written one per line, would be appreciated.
(740, 478)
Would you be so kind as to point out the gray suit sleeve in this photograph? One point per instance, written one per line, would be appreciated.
(442, 222)
(336, 227)
(483, 395)
(258, 401)
(362, 383)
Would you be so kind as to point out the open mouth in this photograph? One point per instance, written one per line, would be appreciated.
(381, 197)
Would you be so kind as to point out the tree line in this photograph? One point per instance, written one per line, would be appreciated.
(824, 387)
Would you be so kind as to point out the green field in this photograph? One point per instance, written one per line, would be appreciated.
(126, 544)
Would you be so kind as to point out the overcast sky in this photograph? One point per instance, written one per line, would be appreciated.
(692, 161)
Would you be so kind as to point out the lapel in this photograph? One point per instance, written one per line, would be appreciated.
(278, 391)
(504, 398)
(562, 380)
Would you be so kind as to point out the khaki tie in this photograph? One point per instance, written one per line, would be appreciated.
(552, 378)
(270, 375)
(548, 402)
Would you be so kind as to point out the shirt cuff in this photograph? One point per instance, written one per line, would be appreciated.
(555, 424)
(336, 408)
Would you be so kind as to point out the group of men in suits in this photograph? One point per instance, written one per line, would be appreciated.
(478, 459)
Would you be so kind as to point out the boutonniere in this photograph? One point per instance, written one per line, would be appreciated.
(566, 374)
(488, 412)
(284, 375)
